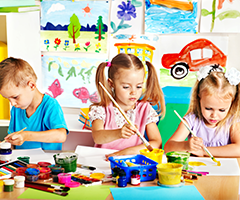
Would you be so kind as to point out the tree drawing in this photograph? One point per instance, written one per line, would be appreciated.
(99, 28)
(74, 28)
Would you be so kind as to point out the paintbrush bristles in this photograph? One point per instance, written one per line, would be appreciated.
(145, 142)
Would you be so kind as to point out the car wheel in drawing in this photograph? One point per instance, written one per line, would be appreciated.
(179, 70)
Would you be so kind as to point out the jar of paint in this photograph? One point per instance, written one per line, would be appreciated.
(32, 174)
(44, 164)
(115, 172)
(67, 160)
(19, 181)
(8, 185)
(5, 152)
(1, 186)
(44, 172)
(21, 171)
(122, 180)
(55, 172)
(135, 177)
(32, 165)
(180, 157)
(64, 178)
(155, 154)
(25, 159)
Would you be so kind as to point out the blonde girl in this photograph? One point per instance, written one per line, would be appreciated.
(213, 115)
(125, 82)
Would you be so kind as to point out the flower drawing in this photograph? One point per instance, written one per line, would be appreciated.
(98, 48)
(57, 41)
(87, 44)
(77, 47)
(126, 13)
(220, 16)
(66, 44)
(46, 42)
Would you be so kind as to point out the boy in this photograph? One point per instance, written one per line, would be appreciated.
(39, 113)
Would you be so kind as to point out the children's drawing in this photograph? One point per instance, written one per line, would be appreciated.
(79, 26)
(71, 80)
(220, 16)
(182, 56)
(192, 57)
(171, 16)
(126, 16)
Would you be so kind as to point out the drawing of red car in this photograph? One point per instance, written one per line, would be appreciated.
(196, 54)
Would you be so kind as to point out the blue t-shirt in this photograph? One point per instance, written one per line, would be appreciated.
(48, 115)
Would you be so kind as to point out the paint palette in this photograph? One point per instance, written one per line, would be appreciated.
(7, 169)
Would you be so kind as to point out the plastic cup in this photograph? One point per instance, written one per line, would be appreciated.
(67, 160)
(180, 157)
(155, 154)
(169, 173)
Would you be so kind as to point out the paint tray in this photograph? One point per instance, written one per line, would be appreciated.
(146, 166)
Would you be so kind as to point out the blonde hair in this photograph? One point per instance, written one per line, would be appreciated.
(16, 71)
(215, 84)
(153, 92)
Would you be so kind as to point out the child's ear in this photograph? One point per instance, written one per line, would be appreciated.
(32, 84)
(110, 83)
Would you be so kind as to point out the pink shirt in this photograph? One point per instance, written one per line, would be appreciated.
(113, 119)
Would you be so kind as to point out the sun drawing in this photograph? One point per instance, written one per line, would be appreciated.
(87, 10)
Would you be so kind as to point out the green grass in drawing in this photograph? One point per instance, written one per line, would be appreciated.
(86, 39)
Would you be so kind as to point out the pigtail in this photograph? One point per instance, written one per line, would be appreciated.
(153, 92)
(235, 107)
(100, 77)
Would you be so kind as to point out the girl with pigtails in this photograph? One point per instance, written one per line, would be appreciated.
(213, 115)
(125, 82)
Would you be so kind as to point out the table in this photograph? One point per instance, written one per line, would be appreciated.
(210, 187)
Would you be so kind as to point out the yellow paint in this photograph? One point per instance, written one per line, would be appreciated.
(196, 163)
(169, 173)
(97, 175)
(155, 154)
(218, 162)
(130, 164)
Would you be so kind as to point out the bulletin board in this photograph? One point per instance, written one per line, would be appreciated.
(153, 30)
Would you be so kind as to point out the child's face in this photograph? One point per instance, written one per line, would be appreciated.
(214, 109)
(19, 97)
(128, 86)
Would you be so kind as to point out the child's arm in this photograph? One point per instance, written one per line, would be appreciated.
(49, 136)
(102, 136)
(154, 137)
(230, 150)
(177, 142)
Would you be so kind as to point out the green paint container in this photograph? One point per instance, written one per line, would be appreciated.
(24, 159)
(180, 157)
(67, 160)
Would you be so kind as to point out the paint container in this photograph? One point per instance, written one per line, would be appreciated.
(32, 174)
(44, 172)
(21, 171)
(44, 164)
(135, 178)
(19, 181)
(1, 186)
(33, 165)
(155, 154)
(67, 160)
(55, 172)
(122, 180)
(5, 152)
(72, 184)
(8, 185)
(25, 159)
(115, 172)
(180, 157)
(169, 173)
(64, 178)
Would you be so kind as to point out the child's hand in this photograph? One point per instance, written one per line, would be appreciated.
(15, 138)
(127, 131)
(195, 146)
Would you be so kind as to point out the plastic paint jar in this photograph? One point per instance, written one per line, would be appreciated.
(67, 160)
(5, 152)
(21, 171)
(180, 157)
(19, 181)
(8, 185)
(64, 178)
(32, 174)
(122, 180)
(24, 159)
(135, 178)
(55, 173)
(44, 164)
(44, 172)
(33, 165)
(115, 172)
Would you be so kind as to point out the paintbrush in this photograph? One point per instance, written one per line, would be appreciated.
(145, 142)
(86, 167)
(46, 189)
(56, 187)
(16, 133)
(205, 149)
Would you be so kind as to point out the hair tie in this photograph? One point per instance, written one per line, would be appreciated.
(205, 71)
(108, 64)
(233, 76)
